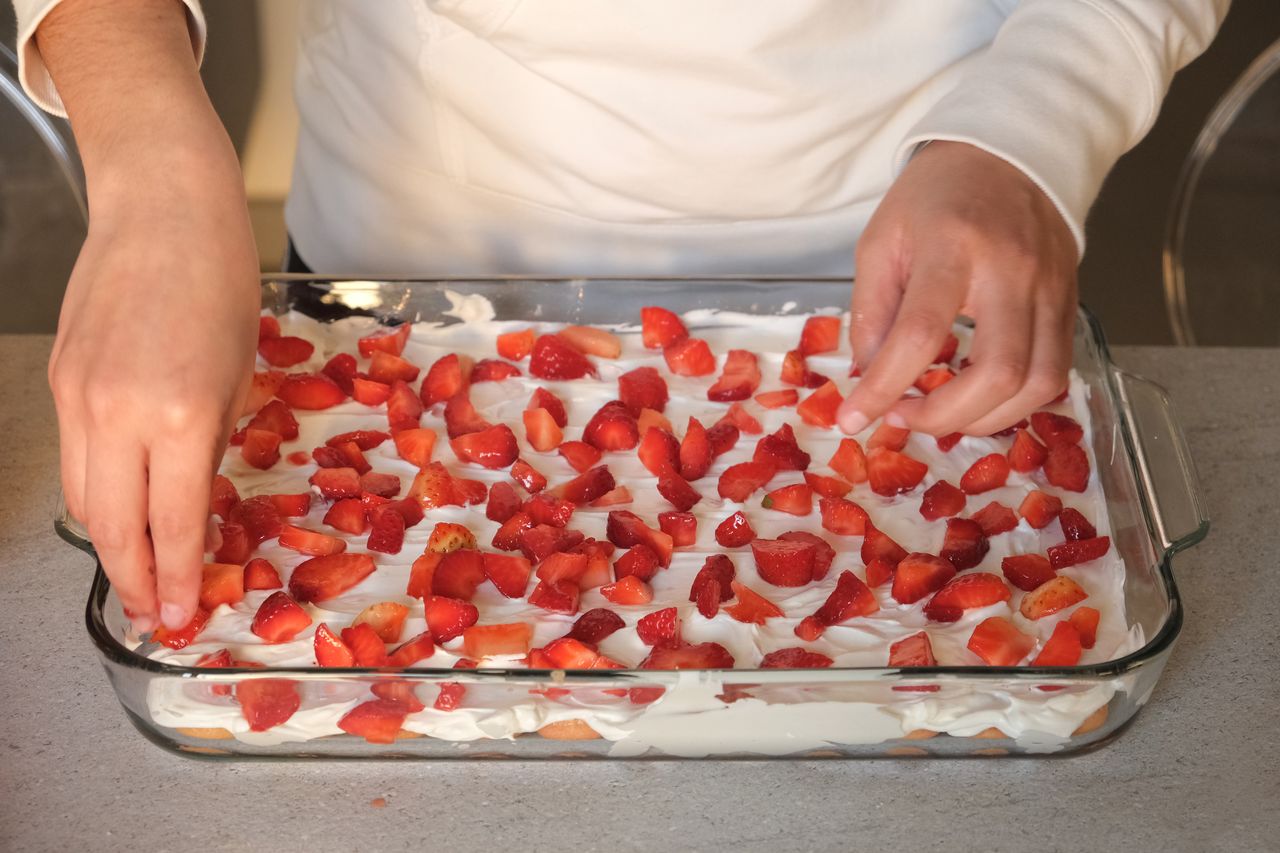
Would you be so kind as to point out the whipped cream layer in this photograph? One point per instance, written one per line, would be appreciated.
(693, 718)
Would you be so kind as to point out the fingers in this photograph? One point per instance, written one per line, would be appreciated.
(179, 481)
(877, 293)
(930, 301)
(116, 515)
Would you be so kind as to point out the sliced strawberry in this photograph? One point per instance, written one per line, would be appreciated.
(964, 544)
(493, 370)
(612, 428)
(411, 651)
(329, 648)
(823, 554)
(323, 578)
(221, 583)
(849, 461)
(310, 542)
(285, 351)
(540, 430)
(386, 618)
(1063, 648)
(259, 518)
(892, 437)
(590, 340)
(876, 544)
(682, 527)
(820, 334)
(827, 487)
(559, 597)
(549, 509)
(446, 379)
(716, 568)
(778, 399)
(267, 702)
(1053, 595)
(678, 492)
(639, 561)
(796, 499)
(347, 515)
(562, 566)
(411, 512)
(260, 574)
(544, 399)
(850, 599)
(390, 369)
(433, 487)
(580, 455)
(739, 379)
(540, 540)
(180, 638)
(694, 454)
(1079, 551)
(515, 345)
(915, 650)
(486, 641)
(660, 626)
(503, 502)
(1067, 467)
(752, 607)
(264, 386)
(627, 591)
(648, 418)
(268, 327)
(492, 448)
(891, 473)
(527, 476)
(933, 379)
(659, 452)
(689, 357)
(449, 536)
(1085, 620)
(784, 563)
(451, 694)
(508, 573)
(880, 571)
(404, 409)
(997, 642)
(819, 408)
(222, 497)
(842, 517)
(310, 392)
(377, 720)
(643, 388)
(1040, 508)
(795, 658)
(946, 442)
(422, 574)
(599, 571)
(568, 653)
(722, 437)
(1075, 526)
(614, 497)
(279, 619)
(448, 617)
(458, 574)
(941, 500)
(336, 483)
(989, 472)
(261, 448)
(918, 575)
(461, 417)
(625, 528)
(1055, 430)
(366, 646)
(388, 340)
(700, 656)
(368, 392)
(508, 536)
(415, 446)
(364, 439)
(1027, 571)
(995, 518)
(348, 454)
(275, 417)
(1026, 454)
(553, 357)
(586, 487)
(965, 592)
(594, 625)
(739, 482)
(782, 450)
(735, 531)
(660, 327)
(795, 371)
(708, 600)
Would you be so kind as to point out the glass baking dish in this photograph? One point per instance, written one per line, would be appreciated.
(844, 712)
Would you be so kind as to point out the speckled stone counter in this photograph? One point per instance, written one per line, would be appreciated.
(1197, 770)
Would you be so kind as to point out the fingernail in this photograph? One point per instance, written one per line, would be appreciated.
(143, 624)
(895, 420)
(853, 421)
(173, 616)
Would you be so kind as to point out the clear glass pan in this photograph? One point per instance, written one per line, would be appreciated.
(1143, 466)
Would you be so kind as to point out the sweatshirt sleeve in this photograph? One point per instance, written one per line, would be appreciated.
(1067, 87)
(32, 72)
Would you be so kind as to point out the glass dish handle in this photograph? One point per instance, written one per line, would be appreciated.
(1167, 474)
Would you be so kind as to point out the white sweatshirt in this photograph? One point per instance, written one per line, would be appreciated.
(685, 136)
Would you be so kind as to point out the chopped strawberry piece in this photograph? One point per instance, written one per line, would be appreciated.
(752, 607)
(553, 357)
(364, 439)
(708, 600)
(660, 626)
(562, 566)
(659, 452)
(689, 357)
(329, 648)
(527, 476)
(590, 340)
(549, 509)
(932, 380)
(448, 617)
(580, 455)
(918, 575)
(486, 641)
(413, 650)
(260, 574)
(1067, 467)
(659, 327)
(492, 370)
(285, 351)
(310, 392)
(1079, 551)
(279, 619)
(1055, 430)
(368, 392)
(433, 487)
(337, 482)
(625, 528)
(784, 563)
(461, 417)
(404, 409)
(989, 472)
(946, 442)
(267, 702)
(1053, 595)
(948, 350)
(446, 379)
(778, 399)
(568, 653)
(236, 545)
(275, 417)
(389, 369)
(1027, 571)
(643, 388)
(819, 408)
(735, 531)
(180, 638)
(842, 517)
(628, 590)
(493, 448)
(795, 658)
(827, 487)
(722, 437)
(386, 618)
(540, 540)
(796, 499)
(261, 448)
(682, 527)
(820, 334)
(850, 599)
(1085, 620)
(386, 532)
(503, 502)
(995, 518)
(221, 583)
(964, 544)
(1040, 508)
(894, 438)
(268, 327)
(415, 446)
(263, 387)
(1075, 526)
(540, 430)
(1063, 648)
(366, 646)
(997, 642)
(594, 625)
(558, 597)
(422, 574)
(965, 592)
(310, 542)
(739, 482)
(391, 340)
(877, 544)
(222, 497)
(880, 571)
(377, 720)
(739, 379)
(700, 656)
(323, 578)
(544, 399)
(718, 569)
(795, 371)
(587, 487)
(508, 573)
(515, 345)
(823, 554)
(458, 574)
(638, 561)
(941, 500)
(259, 518)
(678, 492)
(849, 461)
(450, 697)
(891, 473)
(348, 455)
(915, 650)
(612, 428)
(782, 450)
(1026, 454)
(508, 536)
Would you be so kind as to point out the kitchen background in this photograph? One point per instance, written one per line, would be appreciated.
(248, 71)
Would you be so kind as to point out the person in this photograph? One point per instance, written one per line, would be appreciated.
(957, 143)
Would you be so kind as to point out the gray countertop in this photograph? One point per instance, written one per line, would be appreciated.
(1196, 771)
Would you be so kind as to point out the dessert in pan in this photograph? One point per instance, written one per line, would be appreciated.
(670, 493)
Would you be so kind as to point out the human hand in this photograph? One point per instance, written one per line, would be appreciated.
(962, 232)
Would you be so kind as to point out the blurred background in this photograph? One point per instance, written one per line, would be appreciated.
(248, 71)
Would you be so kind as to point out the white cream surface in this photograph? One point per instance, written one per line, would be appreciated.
(690, 719)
